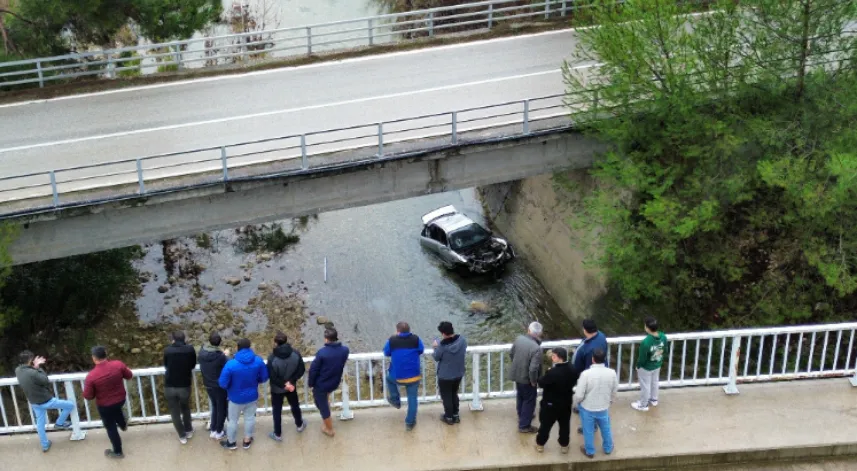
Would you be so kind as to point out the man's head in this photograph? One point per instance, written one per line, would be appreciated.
(598, 356)
(331, 335)
(403, 328)
(99, 354)
(535, 329)
(445, 329)
(214, 339)
(559, 355)
(280, 339)
(26, 358)
(178, 336)
(243, 343)
(651, 325)
(589, 328)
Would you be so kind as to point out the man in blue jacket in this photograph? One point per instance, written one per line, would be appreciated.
(325, 374)
(593, 340)
(405, 351)
(241, 378)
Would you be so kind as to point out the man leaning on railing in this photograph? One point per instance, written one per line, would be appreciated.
(37, 387)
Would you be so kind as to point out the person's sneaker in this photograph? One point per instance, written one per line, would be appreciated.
(447, 420)
(583, 450)
(212, 435)
(188, 435)
(653, 402)
(248, 443)
(64, 426)
(220, 436)
(540, 448)
(564, 450)
(275, 437)
(396, 405)
(229, 446)
(302, 427)
(457, 419)
(124, 428)
(529, 429)
(183, 440)
(111, 454)
(409, 427)
(640, 407)
(47, 448)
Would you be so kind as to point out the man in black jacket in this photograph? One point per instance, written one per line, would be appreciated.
(211, 363)
(179, 361)
(557, 390)
(285, 368)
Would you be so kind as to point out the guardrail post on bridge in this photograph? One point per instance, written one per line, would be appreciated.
(140, 176)
(564, 7)
(476, 403)
(54, 188)
(178, 55)
(76, 432)
(371, 32)
(455, 127)
(380, 140)
(111, 66)
(853, 379)
(304, 164)
(732, 385)
(547, 9)
(347, 413)
(225, 165)
(41, 74)
(308, 41)
(431, 23)
(526, 116)
(490, 15)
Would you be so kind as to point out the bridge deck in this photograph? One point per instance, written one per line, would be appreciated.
(692, 426)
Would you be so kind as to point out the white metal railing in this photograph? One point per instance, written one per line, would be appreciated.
(726, 357)
(302, 40)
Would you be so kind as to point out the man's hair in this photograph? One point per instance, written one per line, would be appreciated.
(26, 357)
(599, 355)
(99, 352)
(535, 328)
(214, 339)
(561, 352)
(589, 326)
(331, 335)
(280, 338)
(403, 327)
(178, 336)
(651, 323)
(445, 328)
(243, 343)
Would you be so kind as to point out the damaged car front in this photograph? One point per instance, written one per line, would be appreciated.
(462, 243)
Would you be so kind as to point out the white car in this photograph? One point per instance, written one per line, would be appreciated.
(462, 243)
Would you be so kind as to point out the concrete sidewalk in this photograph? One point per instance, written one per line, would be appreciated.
(694, 426)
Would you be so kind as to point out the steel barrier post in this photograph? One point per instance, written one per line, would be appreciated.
(732, 386)
(853, 379)
(178, 55)
(140, 176)
(41, 74)
(431, 23)
(476, 403)
(304, 163)
(547, 9)
(54, 189)
(76, 432)
(347, 413)
(564, 8)
(308, 41)
(455, 127)
(371, 39)
(526, 116)
(490, 15)
(225, 164)
(380, 140)
(111, 66)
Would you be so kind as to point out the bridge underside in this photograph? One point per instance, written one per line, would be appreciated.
(74, 231)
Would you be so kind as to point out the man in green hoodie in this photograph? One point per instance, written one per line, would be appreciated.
(649, 362)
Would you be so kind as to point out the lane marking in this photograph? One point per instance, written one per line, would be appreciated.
(285, 111)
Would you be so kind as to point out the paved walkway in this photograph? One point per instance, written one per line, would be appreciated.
(806, 420)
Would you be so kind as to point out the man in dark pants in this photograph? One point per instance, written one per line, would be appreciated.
(557, 389)
(285, 368)
(211, 363)
(179, 361)
(325, 375)
(526, 368)
(449, 353)
(106, 384)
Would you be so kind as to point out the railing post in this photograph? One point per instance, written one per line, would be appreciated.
(455, 127)
(54, 188)
(347, 413)
(490, 15)
(853, 379)
(304, 163)
(431, 23)
(547, 9)
(476, 403)
(732, 386)
(41, 74)
(564, 7)
(380, 140)
(371, 33)
(225, 164)
(526, 116)
(140, 176)
(308, 41)
(111, 66)
(178, 55)
(76, 432)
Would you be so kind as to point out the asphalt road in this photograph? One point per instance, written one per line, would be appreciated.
(130, 123)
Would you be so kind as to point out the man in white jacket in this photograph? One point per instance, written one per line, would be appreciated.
(595, 391)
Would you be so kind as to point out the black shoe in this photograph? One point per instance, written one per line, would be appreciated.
(124, 428)
(410, 427)
(580, 430)
(47, 448)
(111, 454)
(229, 445)
(396, 405)
(447, 420)
(529, 429)
(583, 450)
(64, 426)
(456, 418)
(248, 443)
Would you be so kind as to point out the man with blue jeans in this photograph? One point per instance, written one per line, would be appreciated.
(595, 391)
(241, 378)
(405, 351)
(37, 387)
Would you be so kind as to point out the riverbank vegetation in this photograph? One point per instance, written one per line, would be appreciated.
(730, 195)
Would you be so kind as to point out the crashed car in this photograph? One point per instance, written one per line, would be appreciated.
(463, 244)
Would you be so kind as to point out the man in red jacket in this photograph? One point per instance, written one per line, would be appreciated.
(105, 383)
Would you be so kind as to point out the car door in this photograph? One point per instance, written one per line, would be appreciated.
(434, 239)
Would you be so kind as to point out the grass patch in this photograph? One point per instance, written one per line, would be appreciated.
(265, 238)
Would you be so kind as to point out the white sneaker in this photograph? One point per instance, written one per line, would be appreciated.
(188, 435)
(212, 435)
(220, 436)
(653, 402)
(636, 405)
(183, 440)
(302, 427)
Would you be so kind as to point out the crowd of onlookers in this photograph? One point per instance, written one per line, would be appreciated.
(581, 383)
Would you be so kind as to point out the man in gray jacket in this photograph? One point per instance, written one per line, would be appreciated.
(40, 394)
(449, 354)
(526, 368)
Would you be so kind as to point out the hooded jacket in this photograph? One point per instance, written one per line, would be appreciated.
(35, 383)
(242, 375)
(325, 372)
(405, 351)
(449, 355)
(179, 361)
(284, 365)
(211, 362)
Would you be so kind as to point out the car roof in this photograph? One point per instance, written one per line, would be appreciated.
(453, 222)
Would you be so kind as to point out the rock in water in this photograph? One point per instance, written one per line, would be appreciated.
(163, 289)
(478, 306)
(234, 281)
(321, 320)
(263, 286)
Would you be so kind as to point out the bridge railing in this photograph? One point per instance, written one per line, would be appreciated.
(304, 40)
(725, 357)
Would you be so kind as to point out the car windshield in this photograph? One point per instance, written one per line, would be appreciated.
(468, 236)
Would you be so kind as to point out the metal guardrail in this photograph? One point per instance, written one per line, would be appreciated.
(725, 357)
(283, 42)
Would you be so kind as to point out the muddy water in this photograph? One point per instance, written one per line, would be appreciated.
(377, 274)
